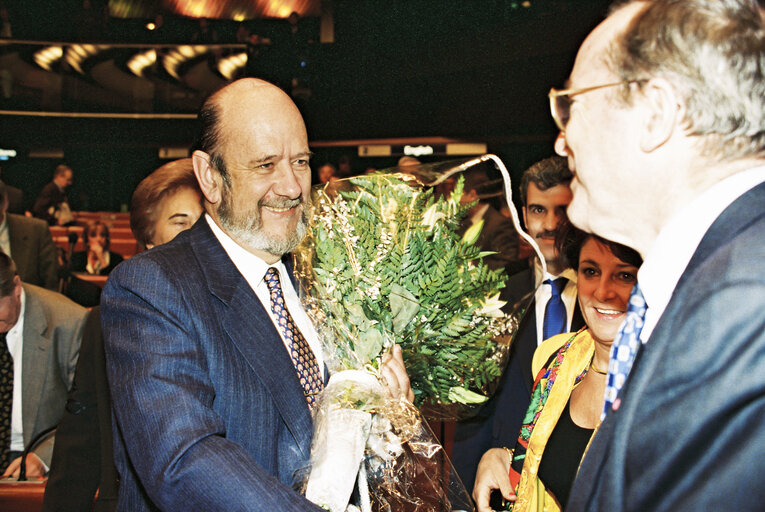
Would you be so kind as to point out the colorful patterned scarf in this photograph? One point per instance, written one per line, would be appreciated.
(541, 391)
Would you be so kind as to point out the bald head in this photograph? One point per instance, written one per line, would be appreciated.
(232, 107)
(252, 166)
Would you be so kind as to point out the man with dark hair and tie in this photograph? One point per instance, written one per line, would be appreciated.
(545, 193)
(40, 335)
(213, 365)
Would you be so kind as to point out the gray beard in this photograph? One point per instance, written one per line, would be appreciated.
(247, 228)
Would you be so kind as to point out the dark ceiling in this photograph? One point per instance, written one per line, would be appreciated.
(475, 69)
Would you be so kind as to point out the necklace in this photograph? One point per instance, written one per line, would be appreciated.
(597, 370)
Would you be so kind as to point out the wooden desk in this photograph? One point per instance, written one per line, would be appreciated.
(91, 278)
(21, 496)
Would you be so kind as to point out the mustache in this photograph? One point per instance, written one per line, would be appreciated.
(281, 203)
(547, 234)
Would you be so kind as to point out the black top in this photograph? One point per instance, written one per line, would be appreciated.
(80, 262)
(564, 450)
(50, 195)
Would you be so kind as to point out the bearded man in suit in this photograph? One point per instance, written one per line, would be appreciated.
(666, 139)
(211, 393)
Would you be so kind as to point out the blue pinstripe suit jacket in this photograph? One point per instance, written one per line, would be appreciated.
(209, 413)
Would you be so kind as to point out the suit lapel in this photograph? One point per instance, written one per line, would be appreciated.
(520, 293)
(735, 218)
(253, 333)
(35, 353)
(17, 238)
(527, 344)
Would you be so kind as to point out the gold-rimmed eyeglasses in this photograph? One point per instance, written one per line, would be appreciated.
(560, 100)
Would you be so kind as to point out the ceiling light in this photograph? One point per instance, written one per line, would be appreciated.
(229, 66)
(140, 61)
(48, 56)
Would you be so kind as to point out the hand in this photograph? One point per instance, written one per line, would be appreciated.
(493, 473)
(395, 376)
(35, 467)
(95, 249)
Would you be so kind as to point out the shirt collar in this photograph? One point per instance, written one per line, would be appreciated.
(18, 328)
(250, 266)
(678, 239)
(569, 273)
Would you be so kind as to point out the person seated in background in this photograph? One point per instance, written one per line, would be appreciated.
(327, 173)
(40, 332)
(165, 203)
(568, 393)
(28, 241)
(97, 258)
(52, 205)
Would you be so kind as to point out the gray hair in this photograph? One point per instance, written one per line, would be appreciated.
(713, 52)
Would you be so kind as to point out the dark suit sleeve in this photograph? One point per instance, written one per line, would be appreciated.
(499, 421)
(44, 201)
(74, 472)
(688, 435)
(79, 261)
(47, 262)
(163, 400)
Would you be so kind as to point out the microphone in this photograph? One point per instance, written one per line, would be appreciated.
(73, 237)
(35, 440)
(65, 272)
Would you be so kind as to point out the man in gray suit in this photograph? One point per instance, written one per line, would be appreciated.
(664, 128)
(41, 331)
(28, 242)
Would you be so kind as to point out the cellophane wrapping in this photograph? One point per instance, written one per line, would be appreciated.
(386, 263)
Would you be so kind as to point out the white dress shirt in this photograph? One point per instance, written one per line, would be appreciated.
(15, 341)
(544, 293)
(91, 269)
(254, 270)
(5, 237)
(677, 241)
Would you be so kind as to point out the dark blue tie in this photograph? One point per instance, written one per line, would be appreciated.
(555, 311)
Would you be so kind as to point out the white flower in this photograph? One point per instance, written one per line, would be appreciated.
(491, 307)
(472, 233)
(431, 216)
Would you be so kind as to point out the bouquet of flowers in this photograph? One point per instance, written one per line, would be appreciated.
(385, 263)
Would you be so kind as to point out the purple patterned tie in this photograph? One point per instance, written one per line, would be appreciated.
(6, 401)
(302, 356)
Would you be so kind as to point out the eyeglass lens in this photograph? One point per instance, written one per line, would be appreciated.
(563, 108)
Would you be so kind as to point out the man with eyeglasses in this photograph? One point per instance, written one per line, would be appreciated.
(663, 125)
